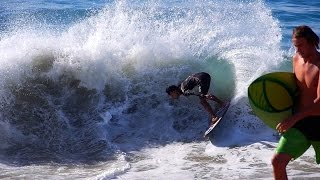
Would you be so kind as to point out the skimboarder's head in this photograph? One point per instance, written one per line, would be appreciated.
(173, 91)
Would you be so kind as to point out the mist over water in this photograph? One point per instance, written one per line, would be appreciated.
(91, 89)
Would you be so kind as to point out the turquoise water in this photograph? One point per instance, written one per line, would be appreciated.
(82, 88)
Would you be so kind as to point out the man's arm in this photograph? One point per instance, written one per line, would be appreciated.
(209, 97)
(318, 91)
(188, 93)
(214, 98)
(312, 110)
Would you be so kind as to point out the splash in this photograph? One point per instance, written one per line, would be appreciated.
(100, 81)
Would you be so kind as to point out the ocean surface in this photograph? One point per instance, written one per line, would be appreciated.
(82, 87)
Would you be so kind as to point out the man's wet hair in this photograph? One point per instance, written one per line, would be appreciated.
(307, 33)
(171, 89)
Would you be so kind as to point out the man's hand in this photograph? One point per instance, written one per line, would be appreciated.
(284, 125)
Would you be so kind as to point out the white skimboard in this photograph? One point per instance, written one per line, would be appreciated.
(221, 112)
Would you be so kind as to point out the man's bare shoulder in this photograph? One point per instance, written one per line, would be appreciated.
(295, 60)
(296, 57)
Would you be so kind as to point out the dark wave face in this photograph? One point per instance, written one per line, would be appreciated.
(55, 119)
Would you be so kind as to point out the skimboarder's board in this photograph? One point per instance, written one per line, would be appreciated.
(220, 114)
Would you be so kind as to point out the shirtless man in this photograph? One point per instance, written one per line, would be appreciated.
(303, 128)
(202, 80)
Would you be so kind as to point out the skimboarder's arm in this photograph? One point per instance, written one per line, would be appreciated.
(210, 97)
(214, 98)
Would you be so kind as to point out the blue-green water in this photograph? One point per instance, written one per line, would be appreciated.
(82, 88)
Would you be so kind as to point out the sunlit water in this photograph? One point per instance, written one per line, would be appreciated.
(83, 88)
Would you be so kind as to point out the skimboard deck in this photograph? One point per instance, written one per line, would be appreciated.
(272, 97)
(222, 111)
